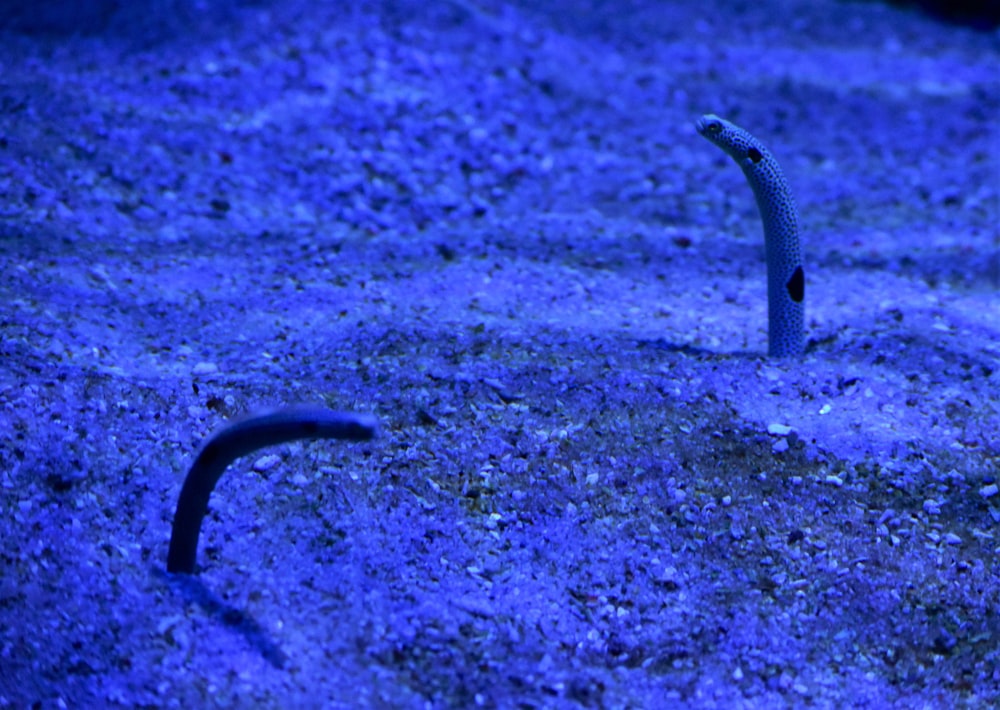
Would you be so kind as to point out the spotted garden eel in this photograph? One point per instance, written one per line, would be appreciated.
(786, 283)
(240, 439)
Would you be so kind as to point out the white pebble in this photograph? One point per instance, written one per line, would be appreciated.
(266, 463)
(779, 429)
(989, 491)
(205, 368)
(668, 574)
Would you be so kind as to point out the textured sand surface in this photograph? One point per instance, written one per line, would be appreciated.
(494, 226)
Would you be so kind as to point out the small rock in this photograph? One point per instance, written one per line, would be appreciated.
(266, 463)
(145, 213)
(952, 539)
(476, 606)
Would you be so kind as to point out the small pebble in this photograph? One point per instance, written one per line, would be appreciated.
(205, 368)
(145, 213)
(266, 463)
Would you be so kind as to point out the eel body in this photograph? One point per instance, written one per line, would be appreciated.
(238, 440)
(785, 277)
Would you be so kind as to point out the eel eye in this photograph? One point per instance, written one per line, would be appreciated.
(714, 127)
(755, 155)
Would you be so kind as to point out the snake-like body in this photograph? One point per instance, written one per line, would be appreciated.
(785, 277)
(240, 439)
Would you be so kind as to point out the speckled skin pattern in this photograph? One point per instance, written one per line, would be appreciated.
(785, 277)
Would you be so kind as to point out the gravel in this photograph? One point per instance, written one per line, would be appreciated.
(494, 226)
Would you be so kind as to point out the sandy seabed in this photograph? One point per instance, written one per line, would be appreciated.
(493, 226)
